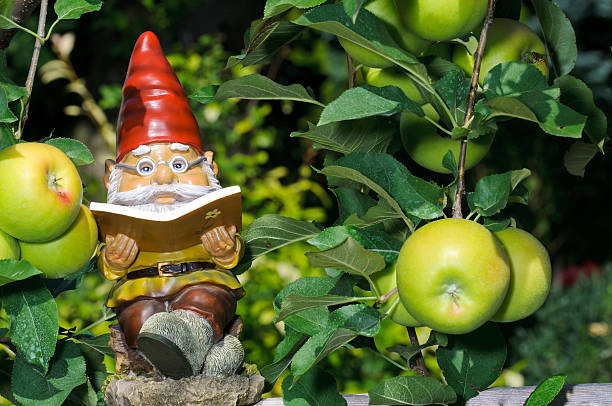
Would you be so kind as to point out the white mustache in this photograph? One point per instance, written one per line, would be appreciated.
(148, 194)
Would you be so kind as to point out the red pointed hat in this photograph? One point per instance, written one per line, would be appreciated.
(154, 107)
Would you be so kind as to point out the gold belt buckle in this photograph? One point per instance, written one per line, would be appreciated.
(160, 272)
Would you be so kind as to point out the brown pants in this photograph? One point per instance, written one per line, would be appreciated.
(215, 303)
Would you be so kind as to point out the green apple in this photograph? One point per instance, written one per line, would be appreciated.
(441, 20)
(508, 40)
(394, 77)
(9, 247)
(530, 275)
(67, 253)
(40, 191)
(386, 11)
(452, 275)
(363, 55)
(427, 147)
(385, 281)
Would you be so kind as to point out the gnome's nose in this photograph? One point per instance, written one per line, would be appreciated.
(163, 175)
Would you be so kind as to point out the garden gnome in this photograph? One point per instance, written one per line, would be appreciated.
(172, 306)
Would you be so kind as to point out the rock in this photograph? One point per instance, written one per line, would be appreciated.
(198, 390)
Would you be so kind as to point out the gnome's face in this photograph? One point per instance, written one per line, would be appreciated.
(160, 176)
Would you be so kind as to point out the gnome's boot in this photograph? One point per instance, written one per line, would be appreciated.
(224, 358)
(173, 345)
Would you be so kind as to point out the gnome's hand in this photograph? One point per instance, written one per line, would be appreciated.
(220, 243)
(120, 251)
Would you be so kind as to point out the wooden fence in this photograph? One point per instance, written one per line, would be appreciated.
(594, 394)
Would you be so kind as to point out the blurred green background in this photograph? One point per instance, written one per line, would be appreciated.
(78, 96)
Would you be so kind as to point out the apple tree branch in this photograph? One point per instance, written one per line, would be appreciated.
(470, 108)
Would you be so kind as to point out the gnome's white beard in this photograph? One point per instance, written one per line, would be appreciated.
(145, 197)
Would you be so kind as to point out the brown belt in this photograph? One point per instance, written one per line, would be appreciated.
(167, 269)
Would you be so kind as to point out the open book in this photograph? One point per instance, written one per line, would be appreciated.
(173, 230)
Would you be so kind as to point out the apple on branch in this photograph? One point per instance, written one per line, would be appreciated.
(530, 275)
(452, 275)
(40, 191)
(67, 253)
(441, 20)
(508, 40)
(427, 147)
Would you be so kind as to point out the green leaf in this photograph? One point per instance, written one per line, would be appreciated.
(367, 31)
(527, 84)
(315, 388)
(73, 9)
(76, 150)
(14, 92)
(349, 257)
(345, 324)
(7, 137)
(295, 303)
(449, 162)
(275, 7)
(205, 94)
(513, 79)
(393, 182)
(317, 348)
(546, 392)
(578, 156)
(6, 115)
(367, 101)
(496, 223)
(260, 87)
(352, 7)
(12, 270)
(559, 36)
(6, 14)
(34, 320)
(376, 241)
(407, 352)
(271, 232)
(454, 88)
(356, 176)
(380, 213)
(96, 343)
(66, 372)
(506, 106)
(366, 135)
(362, 319)
(266, 38)
(351, 202)
(578, 96)
(412, 390)
(309, 321)
(517, 176)
(471, 362)
(491, 193)
(290, 344)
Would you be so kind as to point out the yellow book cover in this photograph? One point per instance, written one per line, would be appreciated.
(173, 230)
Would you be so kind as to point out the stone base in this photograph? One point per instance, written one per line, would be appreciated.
(198, 390)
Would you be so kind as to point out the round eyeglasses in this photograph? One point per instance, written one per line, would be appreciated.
(146, 165)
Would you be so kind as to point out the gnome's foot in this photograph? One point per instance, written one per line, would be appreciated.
(168, 343)
(224, 358)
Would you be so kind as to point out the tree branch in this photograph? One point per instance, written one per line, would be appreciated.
(21, 11)
(420, 366)
(35, 55)
(470, 107)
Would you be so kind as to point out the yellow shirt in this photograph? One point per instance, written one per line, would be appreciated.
(161, 286)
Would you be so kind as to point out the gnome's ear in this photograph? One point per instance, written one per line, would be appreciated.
(209, 157)
(109, 166)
